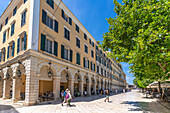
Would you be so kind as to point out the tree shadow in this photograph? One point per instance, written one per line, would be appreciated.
(7, 109)
(146, 107)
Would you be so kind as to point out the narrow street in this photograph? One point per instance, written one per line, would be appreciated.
(120, 103)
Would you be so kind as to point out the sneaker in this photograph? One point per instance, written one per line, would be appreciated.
(61, 104)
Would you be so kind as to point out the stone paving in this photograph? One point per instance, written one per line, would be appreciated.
(120, 103)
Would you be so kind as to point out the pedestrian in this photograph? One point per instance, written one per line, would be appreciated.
(101, 92)
(107, 96)
(64, 94)
(85, 93)
(69, 98)
(116, 91)
(124, 91)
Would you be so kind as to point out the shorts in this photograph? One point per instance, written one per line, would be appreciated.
(107, 97)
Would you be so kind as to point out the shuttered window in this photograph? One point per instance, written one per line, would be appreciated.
(85, 36)
(86, 63)
(23, 19)
(86, 48)
(14, 11)
(43, 38)
(50, 3)
(49, 22)
(8, 52)
(78, 58)
(70, 20)
(0, 56)
(6, 21)
(18, 45)
(56, 26)
(78, 42)
(66, 34)
(92, 53)
(13, 49)
(4, 37)
(48, 46)
(12, 28)
(44, 16)
(77, 28)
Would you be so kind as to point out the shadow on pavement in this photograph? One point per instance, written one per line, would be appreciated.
(3, 108)
(79, 99)
(146, 107)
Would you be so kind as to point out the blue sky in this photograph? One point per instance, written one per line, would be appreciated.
(92, 14)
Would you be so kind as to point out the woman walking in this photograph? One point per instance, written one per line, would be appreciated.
(107, 96)
(68, 97)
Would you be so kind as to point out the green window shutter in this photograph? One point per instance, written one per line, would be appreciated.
(78, 58)
(88, 64)
(94, 67)
(55, 48)
(43, 38)
(91, 65)
(44, 16)
(71, 55)
(25, 41)
(13, 48)
(84, 62)
(18, 45)
(8, 52)
(62, 51)
(62, 14)
(70, 21)
(4, 53)
(56, 26)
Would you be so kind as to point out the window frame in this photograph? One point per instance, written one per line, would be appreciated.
(69, 33)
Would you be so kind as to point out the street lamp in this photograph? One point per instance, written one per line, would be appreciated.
(18, 73)
(67, 76)
(50, 72)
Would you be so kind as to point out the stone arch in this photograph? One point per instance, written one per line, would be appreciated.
(53, 67)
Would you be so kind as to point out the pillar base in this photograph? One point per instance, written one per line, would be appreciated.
(15, 100)
(29, 104)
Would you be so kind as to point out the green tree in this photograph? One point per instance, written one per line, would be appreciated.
(142, 83)
(140, 35)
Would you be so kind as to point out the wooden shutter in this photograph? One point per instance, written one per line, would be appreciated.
(62, 51)
(55, 48)
(25, 41)
(88, 64)
(8, 52)
(84, 61)
(4, 53)
(13, 49)
(56, 26)
(44, 15)
(43, 38)
(70, 21)
(62, 13)
(18, 45)
(71, 55)
(94, 67)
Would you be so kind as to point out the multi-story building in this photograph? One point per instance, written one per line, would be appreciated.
(45, 49)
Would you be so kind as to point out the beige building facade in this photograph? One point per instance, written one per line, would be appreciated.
(44, 49)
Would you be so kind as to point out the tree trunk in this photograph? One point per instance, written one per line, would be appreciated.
(159, 87)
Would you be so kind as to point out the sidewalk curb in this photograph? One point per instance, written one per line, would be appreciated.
(163, 105)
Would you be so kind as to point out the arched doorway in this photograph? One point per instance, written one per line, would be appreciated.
(64, 82)
(46, 83)
(1, 83)
(77, 85)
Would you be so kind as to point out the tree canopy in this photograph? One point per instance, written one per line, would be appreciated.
(140, 35)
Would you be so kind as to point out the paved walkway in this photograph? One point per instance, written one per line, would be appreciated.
(120, 103)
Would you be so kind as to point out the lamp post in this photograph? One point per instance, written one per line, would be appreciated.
(50, 73)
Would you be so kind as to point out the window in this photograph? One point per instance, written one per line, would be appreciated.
(6, 21)
(23, 19)
(0, 27)
(85, 36)
(86, 63)
(101, 71)
(51, 3)
(97, 48)
(48, 46)
(78, 58)
(14, 11)
(86, 48)
(4, 37)
(100, 51)
(77, 28)
(0, 56)
(49, 22)
(11, 48)
(22, 42)
(92, 53)
(92, 66)
(93, 44)
(67, 19)
(12, 28)
(89, 40)
(25, 1)
(66, 53)
(78, 42)
(97, 69)
(105, 73)
(66, 34)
